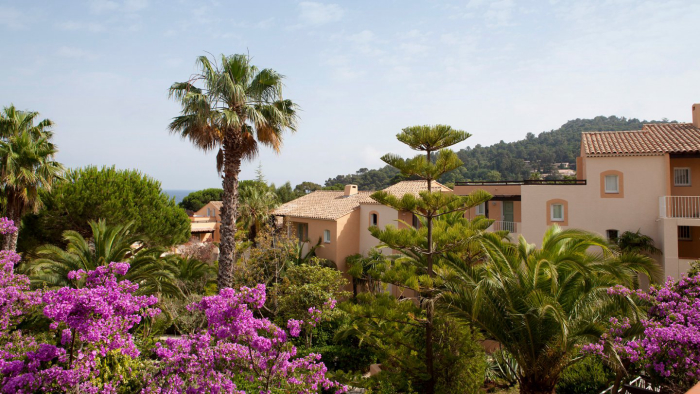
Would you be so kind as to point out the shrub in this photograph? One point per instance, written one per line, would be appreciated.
(588, 376)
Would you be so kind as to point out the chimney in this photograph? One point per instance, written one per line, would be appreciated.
(696, 115)
(352, 189)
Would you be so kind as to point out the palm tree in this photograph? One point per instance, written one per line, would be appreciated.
(237, 108)
(26, 164)
(257, 203)
(148, 268)
(541, 305)
(636, 242)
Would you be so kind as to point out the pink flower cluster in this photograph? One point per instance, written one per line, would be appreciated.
(237, 345)
(7, 226)
(92, 321)
(669, 349)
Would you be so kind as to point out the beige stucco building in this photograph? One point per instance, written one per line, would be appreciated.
(646, 180)
(340, 219)
(206, 223)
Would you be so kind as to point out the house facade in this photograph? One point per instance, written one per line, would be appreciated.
(206, 223)
(340, 219)
(646, 180)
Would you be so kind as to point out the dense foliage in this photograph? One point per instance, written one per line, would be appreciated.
(196, 200)
(117, 196)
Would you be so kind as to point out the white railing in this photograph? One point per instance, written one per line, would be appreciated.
(683, 207)
(504, 226)
(637, 382)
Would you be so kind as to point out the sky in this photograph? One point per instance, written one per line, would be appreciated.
(360, 71)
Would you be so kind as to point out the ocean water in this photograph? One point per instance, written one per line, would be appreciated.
(178, 194)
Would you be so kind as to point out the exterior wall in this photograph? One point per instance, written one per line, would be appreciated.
(694, 188)
(495, 190)
(201, 216)
(386, 215)
(675, 266)
(406, 217)
(347, 238)
(316, 228)
(644, 182)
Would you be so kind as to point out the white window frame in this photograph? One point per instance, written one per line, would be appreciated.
(481, 209)
(617, 184)
(372, 216)
(675, 176)
(551, 213)
(327, 236)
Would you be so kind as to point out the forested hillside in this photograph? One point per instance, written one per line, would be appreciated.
(512, 160)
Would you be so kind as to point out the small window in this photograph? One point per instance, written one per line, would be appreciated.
(557, 212)
(612, 184)
(684, 233)
(208, 212)
(612, 235)
(416, 222)
(681, 176)
(327, 236)
(302, 232)
(373, 219)
(481, 209)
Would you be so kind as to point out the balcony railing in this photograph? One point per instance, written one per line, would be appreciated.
(504, 226)
(524, 182)
(681, 207)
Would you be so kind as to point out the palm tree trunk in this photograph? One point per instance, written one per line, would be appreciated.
(229, 212)
(537, 386)
(14, 213)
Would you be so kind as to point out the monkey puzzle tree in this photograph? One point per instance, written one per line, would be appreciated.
(421, 247)
(235, 108)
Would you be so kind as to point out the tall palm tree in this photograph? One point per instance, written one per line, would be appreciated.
(153, 272)
(541, 305)
(26, 164)
(233, 107)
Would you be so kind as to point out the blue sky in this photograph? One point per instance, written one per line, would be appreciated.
(360, 70)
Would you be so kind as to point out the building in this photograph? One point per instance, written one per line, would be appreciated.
(206, 223)
(646, 180)
(340, 219)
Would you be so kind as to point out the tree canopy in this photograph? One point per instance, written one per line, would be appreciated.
(117, 196)
(196, 200)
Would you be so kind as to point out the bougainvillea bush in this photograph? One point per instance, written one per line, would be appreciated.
(238, 347)
(92, 325)
(668, 351)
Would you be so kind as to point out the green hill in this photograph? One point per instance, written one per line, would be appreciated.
(506, 160)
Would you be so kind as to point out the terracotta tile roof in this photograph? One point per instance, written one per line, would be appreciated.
(413, 187)
(332, 205)
(653, 139)
(324, 204)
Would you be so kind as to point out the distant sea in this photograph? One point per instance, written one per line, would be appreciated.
(178, 194)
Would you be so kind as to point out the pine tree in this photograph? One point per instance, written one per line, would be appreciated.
(443, 231)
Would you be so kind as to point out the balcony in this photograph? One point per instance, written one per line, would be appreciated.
(511, 227)
(679, 207)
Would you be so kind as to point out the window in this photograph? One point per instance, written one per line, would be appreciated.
(612, 235)
(302, 231)
(684, 233)
(416, 222)
(481, 209)
(612, 184)
(557, 213)
(681, 176)
(208, 212)
(373, 219)
(327, 236)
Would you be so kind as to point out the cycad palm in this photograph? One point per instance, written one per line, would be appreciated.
(152, 272)
(257, 203)
(542, 304)
(236, 108)
(26, 164)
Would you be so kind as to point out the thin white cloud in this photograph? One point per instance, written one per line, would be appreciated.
(103, 6)
(312, 13)
(11, 18)
(107, 6)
